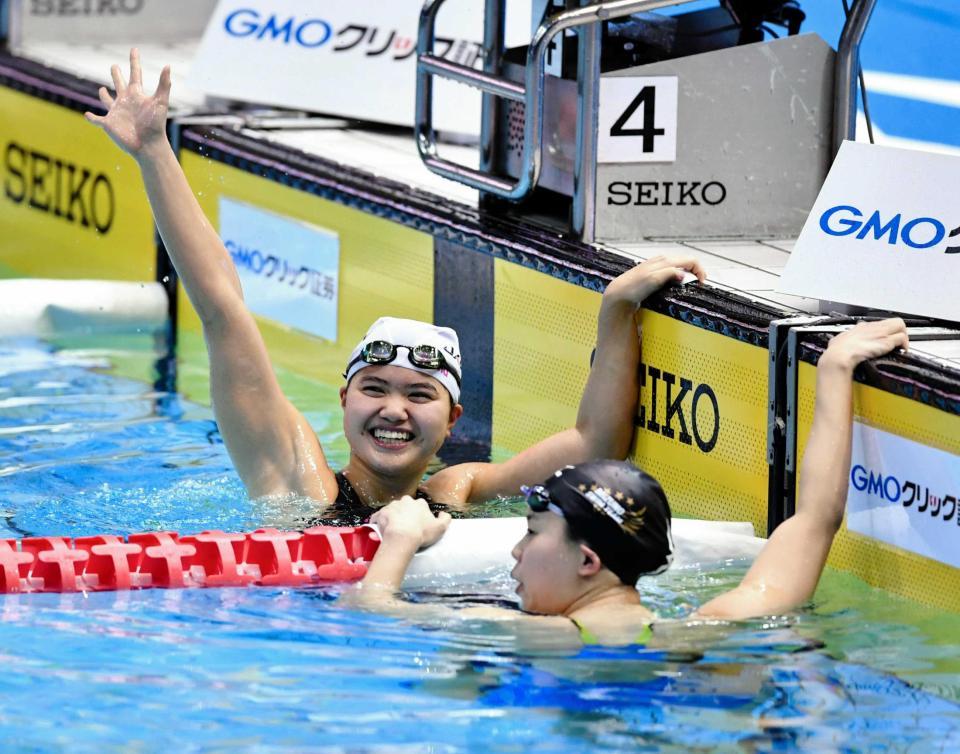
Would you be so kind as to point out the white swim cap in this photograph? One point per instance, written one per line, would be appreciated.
(413, 343)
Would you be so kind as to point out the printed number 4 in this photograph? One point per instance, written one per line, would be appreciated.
(648, 98)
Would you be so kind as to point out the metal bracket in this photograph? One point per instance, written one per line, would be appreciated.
(790, 437)
(779, 365)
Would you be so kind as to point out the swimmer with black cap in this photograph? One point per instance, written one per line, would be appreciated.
(594, 528)
(401, 399)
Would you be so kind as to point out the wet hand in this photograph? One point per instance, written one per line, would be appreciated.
(412, 520)
(134, 120)
(636, 284)
(864, 341)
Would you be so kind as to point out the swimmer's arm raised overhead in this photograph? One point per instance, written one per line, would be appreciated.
(786, 572)
(604, 425)
(269, 441)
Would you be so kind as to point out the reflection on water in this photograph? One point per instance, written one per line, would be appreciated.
(84, 450)
(289, 670)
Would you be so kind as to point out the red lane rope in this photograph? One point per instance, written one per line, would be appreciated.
(165, 560)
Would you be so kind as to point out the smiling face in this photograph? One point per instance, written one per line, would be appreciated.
(396, 419)
(550, 565)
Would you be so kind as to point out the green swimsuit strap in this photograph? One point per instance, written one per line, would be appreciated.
(589, 638)
(586, 635)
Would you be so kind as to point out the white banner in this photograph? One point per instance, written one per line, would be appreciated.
(355, 59)
(905, 494)
(289, 269)
(119, 22)
(883, 233)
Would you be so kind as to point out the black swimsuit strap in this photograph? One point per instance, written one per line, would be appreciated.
(349, 509)
(347, 494)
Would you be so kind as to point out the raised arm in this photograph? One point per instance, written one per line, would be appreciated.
(604, 426)
(786, 572)
(268, 439)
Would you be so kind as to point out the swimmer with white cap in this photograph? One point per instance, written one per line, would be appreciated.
(402, 395)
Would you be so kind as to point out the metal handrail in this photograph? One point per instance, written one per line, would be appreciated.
(845, 72)
(530, 93)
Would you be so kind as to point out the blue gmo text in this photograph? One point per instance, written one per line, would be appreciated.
(918, 233)
(247, 22)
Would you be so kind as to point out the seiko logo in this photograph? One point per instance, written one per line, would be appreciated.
(666, 402)
(64, 189)
(247, 22)
(85, 7)
(917, 233)
(666, 193)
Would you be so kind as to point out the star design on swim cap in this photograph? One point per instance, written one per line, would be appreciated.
(619, 495)
(582, 488)
(633, 521)
(593, 488)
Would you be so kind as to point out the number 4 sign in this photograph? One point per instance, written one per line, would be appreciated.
(637, 121)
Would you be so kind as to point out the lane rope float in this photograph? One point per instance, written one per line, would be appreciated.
(265, 557)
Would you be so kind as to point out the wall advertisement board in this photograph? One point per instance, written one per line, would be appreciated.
(76, 201)
(289, 269)
(904, 493)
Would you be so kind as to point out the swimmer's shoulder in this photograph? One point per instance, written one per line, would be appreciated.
(534, 632)
(453, 485)
(621, 627)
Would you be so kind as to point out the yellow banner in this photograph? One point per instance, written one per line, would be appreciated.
(702, 421)
(702, 413)
(545, 330)
(71, 204)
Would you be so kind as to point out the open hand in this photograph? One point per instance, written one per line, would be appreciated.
(134, 120)
(412, 520)
(864, 341)
(636, 284)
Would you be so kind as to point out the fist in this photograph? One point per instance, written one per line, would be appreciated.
(410, 519)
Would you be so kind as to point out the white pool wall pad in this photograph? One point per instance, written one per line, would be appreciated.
(474, 547)
(41, 307)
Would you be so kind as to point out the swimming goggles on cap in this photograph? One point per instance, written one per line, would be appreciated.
(539, 500)
(425, 356)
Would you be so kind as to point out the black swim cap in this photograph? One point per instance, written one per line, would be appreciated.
(619, 511)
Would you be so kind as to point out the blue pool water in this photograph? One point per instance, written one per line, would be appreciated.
(84, 450)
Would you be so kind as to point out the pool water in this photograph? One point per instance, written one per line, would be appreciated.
(88, 447)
